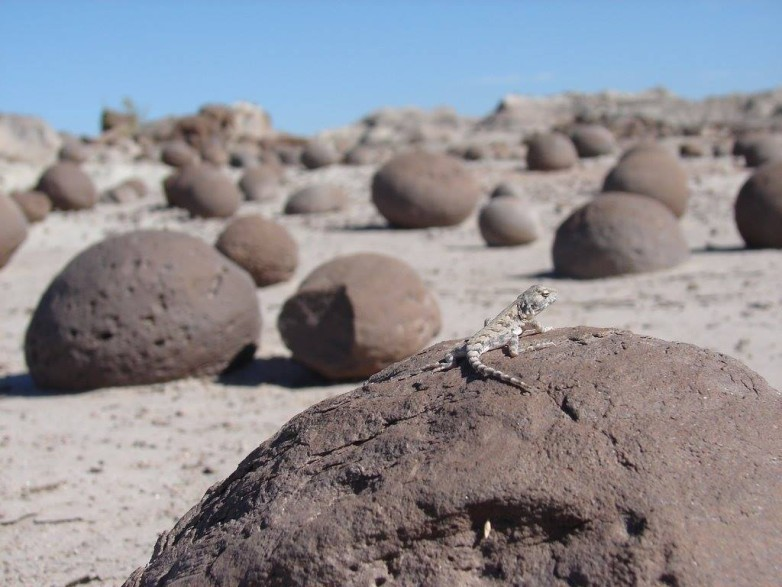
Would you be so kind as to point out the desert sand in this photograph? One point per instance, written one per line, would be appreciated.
(90, 479)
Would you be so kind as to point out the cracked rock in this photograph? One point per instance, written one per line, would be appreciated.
(637, 462)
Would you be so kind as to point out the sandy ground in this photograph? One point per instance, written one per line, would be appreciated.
(89, 480)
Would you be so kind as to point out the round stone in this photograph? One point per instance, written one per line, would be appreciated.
(35, 205)
(318, 154)
(13, 228)
(262, 247)
(317, 199)
(758, 207)
(550, 152)
(261, 183)
(618, 233)
(203, 190)
(178, 154)
(508, 221)
(592, 140)
(68, 187)
(140, 308)
(356, 314)
(651, 172)
(419, 190)
(762, 150)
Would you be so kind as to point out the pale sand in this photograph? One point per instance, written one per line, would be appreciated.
(90, 479)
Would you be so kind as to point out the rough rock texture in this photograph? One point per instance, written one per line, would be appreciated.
(356, 314)
(592, 140)
(318, 154)
(651, 172)
(550, 152)
(262, 247)
(762, 150)
(140, 308)
(618, 233)
(68, 187)
(178, 154)
(639, 462)
(13, 228)
(419, 190)
(35, 205)
(316, 199)
(758, 208)
(261, 182)
(28, 139)
(204, 191)
(508, 221)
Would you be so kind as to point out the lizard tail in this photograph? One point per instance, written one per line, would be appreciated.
(474, 359)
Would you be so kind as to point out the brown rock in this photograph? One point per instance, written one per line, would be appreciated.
(550, 152)
(263, 248)
(113, 120)
(261, 182)
(203, 190)
(317, 199)
(505, 189)
(691, 150)
(35, 205)
(140, 308)
(129, 190)
(762, 150)
(592, 140)
(639, 462)
(215, 154)
(68, 187)
(758, 207)
(508, 221)
(618, 233)
(651, 172)
(419, 190)
(73, 151)
(13, 228)
(318, 154)
(178, 154)
(366, 155)
(356, 314)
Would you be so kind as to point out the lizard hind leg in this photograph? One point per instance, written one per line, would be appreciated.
(474, 360)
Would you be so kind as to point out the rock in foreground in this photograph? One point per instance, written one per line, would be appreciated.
(143, 307)
(639, 462)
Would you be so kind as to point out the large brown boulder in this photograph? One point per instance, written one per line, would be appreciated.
(357, 314)
(550, 152)
(316, 199)
(618, 233)
(638, 462)
(419, 190)
(592, 140)
(262, 247)
(203, 190)
(508, 221)
(35, 205)
(758, 207)
(140, 308)
(13, 228)
(68, 187)
(650, 171)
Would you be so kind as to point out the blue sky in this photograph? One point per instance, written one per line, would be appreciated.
(320, 64)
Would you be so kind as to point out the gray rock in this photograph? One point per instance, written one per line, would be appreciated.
(508, 221)
(758, 208)
(317, 199)
(13, 228)
(68, 187)
(27, 139)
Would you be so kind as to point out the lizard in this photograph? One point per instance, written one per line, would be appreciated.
(502, 331)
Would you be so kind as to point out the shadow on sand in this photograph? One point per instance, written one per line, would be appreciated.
(280, 371)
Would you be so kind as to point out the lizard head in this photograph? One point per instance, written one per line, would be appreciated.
(536, 299)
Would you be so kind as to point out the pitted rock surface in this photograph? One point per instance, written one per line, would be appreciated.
(143, 307)
(639, 462)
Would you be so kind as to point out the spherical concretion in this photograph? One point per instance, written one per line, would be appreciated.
(262, 247)
(178, 154)
(261, 182)
(550, 152)
(316, 199)
(318, 154)
(592, 140)
(13, 228)
(68, 187)
(762, 150)
(506, 189)
(508, 221)
(758, 208)
(215, 154)
(73, 151)
(366, 155)
(139, 308)
(35, 205)
(646, 145)
(203, 190)
(618, 233)
(356, 314)
(653, 173)
(419, 190)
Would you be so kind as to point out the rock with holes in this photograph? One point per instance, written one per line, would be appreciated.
(68, 187)
(618, 233)
(140, 308)
(356, 314)
(13, 228)
(637, 462)
(758, 207)
(419, 190)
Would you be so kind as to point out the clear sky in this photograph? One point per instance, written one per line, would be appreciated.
(320, 64)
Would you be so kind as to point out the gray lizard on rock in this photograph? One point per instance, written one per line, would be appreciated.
(502, 331)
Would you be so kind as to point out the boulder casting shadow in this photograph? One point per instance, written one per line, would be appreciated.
(638, 461)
